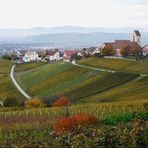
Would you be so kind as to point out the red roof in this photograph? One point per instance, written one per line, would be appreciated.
(120, 44)
(145, 49)
(70, 52)
(51, 52)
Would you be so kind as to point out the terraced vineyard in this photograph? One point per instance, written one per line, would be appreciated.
(133, 90)
(71, 81)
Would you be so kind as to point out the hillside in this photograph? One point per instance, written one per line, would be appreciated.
(113, 106)
(74, 82)
(7, 89)
(134, 90)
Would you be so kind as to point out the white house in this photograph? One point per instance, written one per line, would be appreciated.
(80, 54)
(68, 55)
(30, 56)
(96, 51)
(53, 55)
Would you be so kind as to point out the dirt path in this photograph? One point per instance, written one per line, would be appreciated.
(16, 84)
(97, 69)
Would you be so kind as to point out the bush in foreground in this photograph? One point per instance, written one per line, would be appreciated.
(61, 102)
(11, 102)
(72, 123)
(36, 102)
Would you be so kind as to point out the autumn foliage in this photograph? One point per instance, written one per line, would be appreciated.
(36, 102)
(72, 123)
(124, 52)
(107, 50)
(61, 102)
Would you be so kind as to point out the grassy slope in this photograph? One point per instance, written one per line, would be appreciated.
(133, 90)
(65, 79)
(7, 89)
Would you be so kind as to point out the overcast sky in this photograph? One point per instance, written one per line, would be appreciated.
(87, 13)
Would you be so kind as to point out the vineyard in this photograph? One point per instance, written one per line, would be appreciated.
(133, 90)
(67, 80)
(117, 64)
(98, 109)
(35, 126)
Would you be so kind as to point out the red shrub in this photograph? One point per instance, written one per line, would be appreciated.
(84, 119)
(61, 102)
(71, 123)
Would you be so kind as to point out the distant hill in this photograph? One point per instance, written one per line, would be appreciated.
(67, 36)
(78, 40)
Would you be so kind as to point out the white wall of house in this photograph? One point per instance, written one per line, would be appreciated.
(66, 58)
(145, 53)
(30, 56)
(51, 58)
(79, 54)
(118, 52)
(57, 56)
(26, 59)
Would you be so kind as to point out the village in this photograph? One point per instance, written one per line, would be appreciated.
(117, 49)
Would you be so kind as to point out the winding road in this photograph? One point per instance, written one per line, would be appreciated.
(91, 68)
(105, 70)
(16, 84)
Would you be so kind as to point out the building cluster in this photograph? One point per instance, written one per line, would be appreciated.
(118, 48)
(49, 55)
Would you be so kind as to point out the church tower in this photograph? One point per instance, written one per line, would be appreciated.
(136, 37)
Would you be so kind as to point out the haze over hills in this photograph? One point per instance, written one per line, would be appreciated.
(67, 36)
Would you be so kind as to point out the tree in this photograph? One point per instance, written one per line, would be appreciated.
(123, 52)
(35, 102)
(107, 50)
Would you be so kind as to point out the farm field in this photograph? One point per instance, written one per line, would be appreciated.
(68, 80)
(7, 89)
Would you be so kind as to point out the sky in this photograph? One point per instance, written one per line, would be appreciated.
(86, 13)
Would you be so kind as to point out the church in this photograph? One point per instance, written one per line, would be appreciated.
(132, 46)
